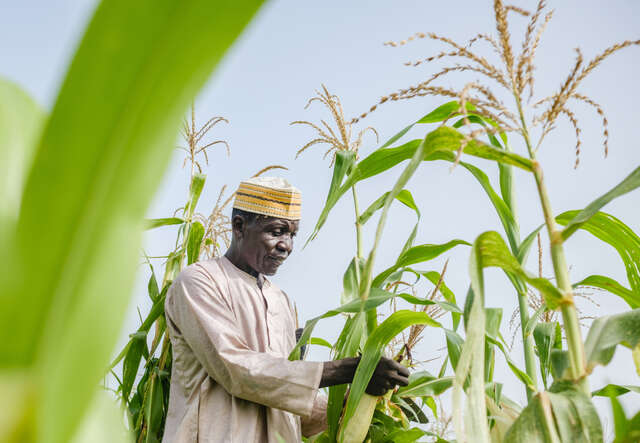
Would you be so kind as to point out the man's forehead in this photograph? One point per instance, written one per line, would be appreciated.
(275, 221)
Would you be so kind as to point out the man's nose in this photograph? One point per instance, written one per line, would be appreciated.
(285, 244)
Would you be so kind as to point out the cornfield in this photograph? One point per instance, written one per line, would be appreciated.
(107, 169)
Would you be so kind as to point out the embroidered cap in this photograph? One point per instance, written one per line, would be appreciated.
(272, 196)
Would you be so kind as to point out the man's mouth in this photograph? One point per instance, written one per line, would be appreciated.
(277, 260)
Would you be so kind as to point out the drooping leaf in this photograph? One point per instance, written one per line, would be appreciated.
(608, 332)
(494, 252)
(566, 416)
(375, 299)
(631, 182)
(612, 286)
(392, 326)
(158, 222)
(417, 254)
(614, 232)
(132, 362)
(438, 145)
(421, 385)
(439, 114)
(194, 240)
(343, 163)
(101, 156)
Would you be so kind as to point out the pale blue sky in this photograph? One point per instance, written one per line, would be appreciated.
(292, 47)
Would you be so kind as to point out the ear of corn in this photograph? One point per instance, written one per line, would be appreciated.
(356, 429)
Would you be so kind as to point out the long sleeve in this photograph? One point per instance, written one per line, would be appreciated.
(199, 310)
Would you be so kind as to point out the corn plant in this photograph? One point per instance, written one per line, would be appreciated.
(562, 411)
(79, 182)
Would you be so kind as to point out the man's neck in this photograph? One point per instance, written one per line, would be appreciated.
(235, 259)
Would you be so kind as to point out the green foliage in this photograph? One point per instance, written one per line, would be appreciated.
(94, 169)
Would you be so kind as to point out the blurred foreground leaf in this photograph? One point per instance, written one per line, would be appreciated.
(100, 158)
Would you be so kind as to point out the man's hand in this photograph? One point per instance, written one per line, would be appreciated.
(386, 376)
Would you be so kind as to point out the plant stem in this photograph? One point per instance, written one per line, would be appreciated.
(358, 225)
(577, 366)
(372, 314)
(527, 342)
(523, 305)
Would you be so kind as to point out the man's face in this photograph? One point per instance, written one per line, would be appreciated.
(267, 242)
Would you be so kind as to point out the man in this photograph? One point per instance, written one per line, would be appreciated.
(232, 331)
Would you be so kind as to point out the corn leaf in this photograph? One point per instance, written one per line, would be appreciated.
(557, 417)
(439, 114)
(438, 145)
(387, 330)
(20, 124)
(626, 242)
(350, 285)
(545, 335)
(195, 190)
(417, 254)
(375, 299)
(344, 161)
(631, 182)
(101, 156)
(607, 332)
(494, 252)
(422, 384)
(612, 286)
(194, 240)
(612, 390)
(157, 222)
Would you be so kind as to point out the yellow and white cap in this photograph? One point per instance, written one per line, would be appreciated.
(272, 196)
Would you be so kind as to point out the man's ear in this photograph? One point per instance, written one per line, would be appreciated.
(238, 225)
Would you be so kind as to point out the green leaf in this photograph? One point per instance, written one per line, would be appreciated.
(612, 231)
(471, 363)
(612, 390)
(438, 145)
(154, 409)
(102, 422)
(375, 299)
(194, 240)
(350, 282)
(20, 124)
(195, 189)
(343, 164)
(544, 335)
(406, 435)
(152, 286)
(631, 182)
(387, 330)
(620, 422)
(131, 363)
(439, 114)
(157, 222)
(612, 286)
(567, 416)
(608, 332)
(504, 212)
(494, 252)
(417, 254)
(320, 342)
(421, 385)
(525, 246)
(101, 156)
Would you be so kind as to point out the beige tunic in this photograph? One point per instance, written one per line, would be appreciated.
(231, 380)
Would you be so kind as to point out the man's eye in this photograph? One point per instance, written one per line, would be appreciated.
(277, 232)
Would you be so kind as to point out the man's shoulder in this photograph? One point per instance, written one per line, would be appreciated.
(209, 269)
